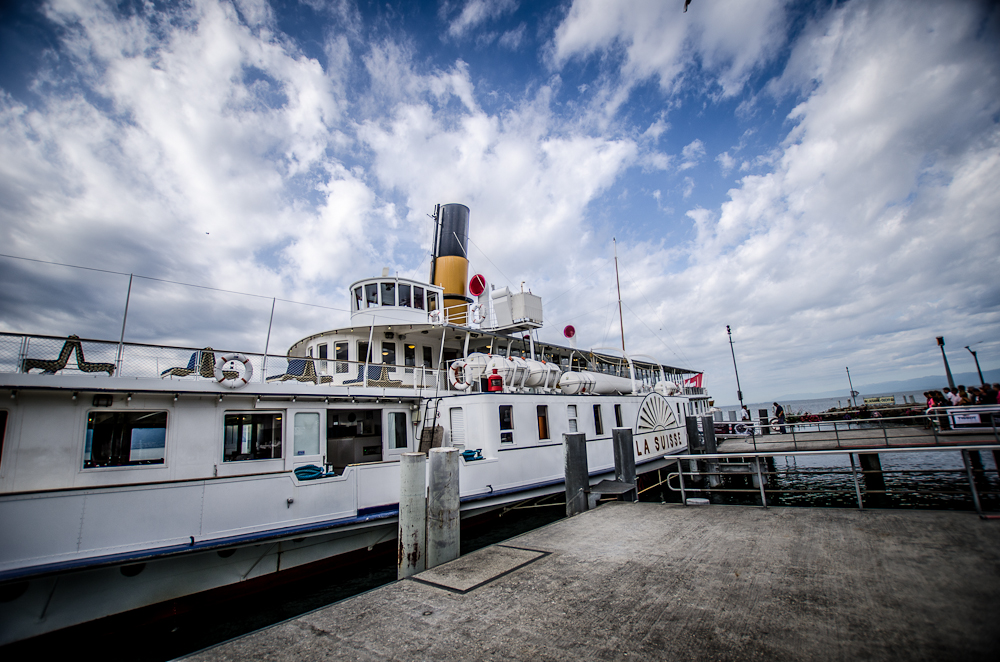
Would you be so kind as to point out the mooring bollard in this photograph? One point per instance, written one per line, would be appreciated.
(443, 541)
(708, 431)
(625, 461)
(694, 441)
(411, 555)
(764, 428)
(577, 472)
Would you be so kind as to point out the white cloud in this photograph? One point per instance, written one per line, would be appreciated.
(726, 163)
(692, 154)
(477, 12)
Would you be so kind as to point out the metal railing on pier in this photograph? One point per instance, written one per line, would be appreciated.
(714, 470)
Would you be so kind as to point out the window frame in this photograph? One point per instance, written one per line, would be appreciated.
(506, 425)
(542, 413)
(260, 461)
(598, 420)
(127, 465)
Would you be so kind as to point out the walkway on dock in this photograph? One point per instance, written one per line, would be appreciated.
(645, 581)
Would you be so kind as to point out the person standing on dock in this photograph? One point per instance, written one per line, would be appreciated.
(779, 413)
(745, 413)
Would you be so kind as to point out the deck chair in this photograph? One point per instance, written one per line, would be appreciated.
(53, 366)
(383, 379)
(205, 369)
(182, 372)
(374, 371)
(301, 370)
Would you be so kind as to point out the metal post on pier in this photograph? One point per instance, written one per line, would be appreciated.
(577, 473)
(708, 430)
(625, 461)
(411, 556)
(694, 442)
(764, 427)
(443, 541)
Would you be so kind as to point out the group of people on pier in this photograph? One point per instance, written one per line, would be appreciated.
(946, 397)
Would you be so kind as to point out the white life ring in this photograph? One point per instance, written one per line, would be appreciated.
(434, 316)
(456, 383)
(478, 314)
(239, 382)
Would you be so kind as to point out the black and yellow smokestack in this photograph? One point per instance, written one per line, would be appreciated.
(450, 269)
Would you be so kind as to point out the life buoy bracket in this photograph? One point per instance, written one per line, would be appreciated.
(237, 382)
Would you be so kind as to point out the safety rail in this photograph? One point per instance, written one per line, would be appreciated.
(764, 477)
(58, 355)
(886, 430)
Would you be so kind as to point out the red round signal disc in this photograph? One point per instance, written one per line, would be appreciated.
(477, 285)
(569, 331)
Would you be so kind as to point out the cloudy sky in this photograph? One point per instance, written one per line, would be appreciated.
(824, 177)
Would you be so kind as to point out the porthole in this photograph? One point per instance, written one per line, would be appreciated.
(133, 570)
(11, 592)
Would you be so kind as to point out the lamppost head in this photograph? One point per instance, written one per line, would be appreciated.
(940, 340)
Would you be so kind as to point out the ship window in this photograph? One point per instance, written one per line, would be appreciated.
(389, 354)
(404, 295)
(357, 298)
(543, 422)
(418, 297)
(363, 351)
(125, 438)
(309, 351)
(252, 437)
(321, 350)
(432, 301)
(571, 413)
(397, 429)
(618, 416)
(427, 357)
(306, 433)
(388, 294)
(340, 351)
(371, 295)
(409, 356)
(506, 423)
(3, 431)
(598, 423)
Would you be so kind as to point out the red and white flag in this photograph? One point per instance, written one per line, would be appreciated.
(694, 382)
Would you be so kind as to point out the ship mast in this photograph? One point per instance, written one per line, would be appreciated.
(621, 320)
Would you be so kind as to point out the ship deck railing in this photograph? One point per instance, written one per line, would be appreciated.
(180, 364)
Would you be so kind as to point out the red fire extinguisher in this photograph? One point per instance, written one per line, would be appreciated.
(494, 381)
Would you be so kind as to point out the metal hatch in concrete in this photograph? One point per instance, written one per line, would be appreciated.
(471, 571)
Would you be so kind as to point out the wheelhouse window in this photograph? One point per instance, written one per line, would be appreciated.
(506, 423)
(618, 416)
(125, 438)
(418, 297)
(404, 295)
(598, 423)
(432, 302)
(571, 414)
(543, 422)
(306, 433)
(254, 436)
(358, 298)
(388, 294)
(371, 295)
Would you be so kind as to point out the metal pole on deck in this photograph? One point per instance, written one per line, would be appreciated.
(267, 343)
(947, 368)
(443, 535)
(411, 556)
(121, 342)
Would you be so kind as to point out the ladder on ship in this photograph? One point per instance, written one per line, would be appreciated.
(431, 434)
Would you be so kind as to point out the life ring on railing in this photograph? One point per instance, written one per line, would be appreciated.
(478, 314)
(238, 382)
(456, 383)
(434, 316)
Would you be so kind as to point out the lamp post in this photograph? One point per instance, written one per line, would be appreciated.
(739, 391)
(976, 359)
(853, 392)
(947, 368)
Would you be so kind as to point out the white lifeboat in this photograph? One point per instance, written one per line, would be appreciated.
(585, 381)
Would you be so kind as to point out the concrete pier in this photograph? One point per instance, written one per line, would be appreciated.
(645, 581)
